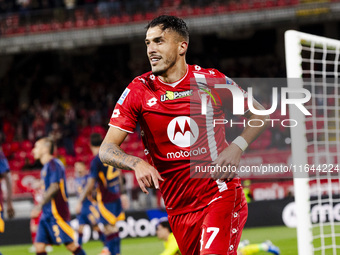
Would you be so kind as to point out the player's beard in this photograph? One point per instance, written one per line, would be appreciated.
(168, 64)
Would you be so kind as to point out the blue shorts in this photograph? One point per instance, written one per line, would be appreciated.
(52, 231)
(88, 215)
(110, 213)
(2, 222)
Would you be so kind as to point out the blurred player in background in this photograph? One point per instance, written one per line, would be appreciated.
(164, 232)
(205, 214)
(6, 175)
(54, 227)
(37, 190)
(89, 213)
(109, 189)
(251, 249)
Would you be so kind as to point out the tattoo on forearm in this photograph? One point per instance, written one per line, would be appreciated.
(113, 155)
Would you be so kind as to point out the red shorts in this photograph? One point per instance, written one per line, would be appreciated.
(216, 229)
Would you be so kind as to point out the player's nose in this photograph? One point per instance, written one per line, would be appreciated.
(151, 49)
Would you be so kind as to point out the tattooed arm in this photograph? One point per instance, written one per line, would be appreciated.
(110, 153)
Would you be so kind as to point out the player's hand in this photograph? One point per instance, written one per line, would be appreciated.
(10, 210)
(125, 201)
(36, 211)
(78, 208)
(147, 176)
(228, 160)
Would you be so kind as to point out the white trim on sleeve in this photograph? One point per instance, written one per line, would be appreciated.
(121, 128)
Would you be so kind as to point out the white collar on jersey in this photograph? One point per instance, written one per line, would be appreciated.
(174, 84)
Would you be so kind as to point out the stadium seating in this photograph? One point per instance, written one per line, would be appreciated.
(37, 21)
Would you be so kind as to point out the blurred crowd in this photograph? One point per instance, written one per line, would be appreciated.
(130, 6)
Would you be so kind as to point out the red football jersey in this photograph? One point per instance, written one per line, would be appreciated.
(177, 137)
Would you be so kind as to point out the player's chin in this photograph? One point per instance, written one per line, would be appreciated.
(157, 71)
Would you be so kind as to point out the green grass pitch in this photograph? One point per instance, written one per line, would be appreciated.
(283, 237)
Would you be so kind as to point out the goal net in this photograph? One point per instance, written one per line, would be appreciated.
(313, 63)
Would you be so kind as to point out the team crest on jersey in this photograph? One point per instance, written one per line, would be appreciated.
(123, 96)
(173, 95)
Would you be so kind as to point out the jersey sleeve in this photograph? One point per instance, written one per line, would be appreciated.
(230, 93)
(128, 107)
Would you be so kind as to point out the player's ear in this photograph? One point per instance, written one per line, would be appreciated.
(183, 47)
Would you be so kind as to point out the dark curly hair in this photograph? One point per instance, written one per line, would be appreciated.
(171, 22)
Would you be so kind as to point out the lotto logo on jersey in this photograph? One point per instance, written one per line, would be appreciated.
(151, 102)
(115, 113)
(183, 131)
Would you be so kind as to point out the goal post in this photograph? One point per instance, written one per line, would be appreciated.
(299, 145)
(312, 62)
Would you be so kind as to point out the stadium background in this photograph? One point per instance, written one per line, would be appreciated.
(64, 64)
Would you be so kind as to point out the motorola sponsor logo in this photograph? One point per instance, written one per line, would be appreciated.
(319, 213)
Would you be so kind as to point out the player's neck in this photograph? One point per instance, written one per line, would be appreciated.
(95, 150)
(45, 159)
(174, 73)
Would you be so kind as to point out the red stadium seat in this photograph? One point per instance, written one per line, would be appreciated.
(68, 24)
(70, 160)
(149, 16)
(7, 149)
(61, 151)
(125, 18)
(99, 129)
(114, 20)
(184, 12)
(294, 2)
(80, 23)
(16, 165)
(82, 141)
(270, 4)
(91, 22)
(281, 3)
(26, 145)
(46, 27)
(86, 131)
(103, 21)
(138, 17)
(222, 9)
(56, 26)
(244, 6)
(20, 155)
(209, 10)
(21, 30)
(197, 11)
(34, 28)
(15, 146)
(233, 6)
(258, 4)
